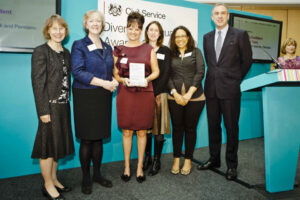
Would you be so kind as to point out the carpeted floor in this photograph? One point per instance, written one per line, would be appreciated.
(199, 185)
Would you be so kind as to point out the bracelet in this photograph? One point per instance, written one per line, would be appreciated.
(173, 91)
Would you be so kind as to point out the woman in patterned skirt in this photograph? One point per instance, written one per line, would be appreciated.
(51, 87)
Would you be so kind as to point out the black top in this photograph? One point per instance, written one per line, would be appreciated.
(47, 76)
(188, 71)
(163, 59)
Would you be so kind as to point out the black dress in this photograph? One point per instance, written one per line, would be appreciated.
(51, 86)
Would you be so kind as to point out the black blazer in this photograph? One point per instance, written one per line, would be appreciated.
(160, 85)
(47, 76)
(189, 71)
(224, 77)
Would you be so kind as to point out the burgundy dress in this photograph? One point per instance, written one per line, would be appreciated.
(135, 105)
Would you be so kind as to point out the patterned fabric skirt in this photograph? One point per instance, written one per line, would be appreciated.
(161, 116)
(55, 139)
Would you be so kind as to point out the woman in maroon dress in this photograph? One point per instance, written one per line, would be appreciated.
(135, 104)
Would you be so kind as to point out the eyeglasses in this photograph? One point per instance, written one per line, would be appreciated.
(177, 37)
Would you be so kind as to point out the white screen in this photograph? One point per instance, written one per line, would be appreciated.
(21, 23)
(263, 35)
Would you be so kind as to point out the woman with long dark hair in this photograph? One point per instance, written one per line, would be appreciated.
(186, 99)
(154, 35)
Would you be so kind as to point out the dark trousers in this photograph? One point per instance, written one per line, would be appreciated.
(230, 109)
(185, 120)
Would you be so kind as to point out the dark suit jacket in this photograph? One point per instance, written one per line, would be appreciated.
(47, 76)
(189, 71)
(223, 78)
(87, 64)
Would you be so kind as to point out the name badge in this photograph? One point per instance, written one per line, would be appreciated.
(92, 47)
(188, 54)
(124, 60)
(160, 56)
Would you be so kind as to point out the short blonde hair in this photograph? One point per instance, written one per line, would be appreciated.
(49, 23)
(86, 17)
(287, 42)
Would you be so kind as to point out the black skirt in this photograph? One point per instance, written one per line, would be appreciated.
(92, 113)
(55, 139)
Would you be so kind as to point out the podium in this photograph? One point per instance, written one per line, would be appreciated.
(281, 115)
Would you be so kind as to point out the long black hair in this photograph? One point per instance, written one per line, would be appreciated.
(172, 44)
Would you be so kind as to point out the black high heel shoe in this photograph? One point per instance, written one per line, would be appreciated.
(125, 177)
(46, 194)
(64, 189)
(103, 181)
(86, 186)
(86, 189)
(141, 179)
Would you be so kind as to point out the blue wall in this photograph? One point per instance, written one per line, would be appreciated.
(18, 119)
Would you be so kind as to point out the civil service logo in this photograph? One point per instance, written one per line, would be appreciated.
(115, 10)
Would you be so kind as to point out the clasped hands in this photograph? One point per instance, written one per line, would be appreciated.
(182, 99)
(110, 85)
(126, 82)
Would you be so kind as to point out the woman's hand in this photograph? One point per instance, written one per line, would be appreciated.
(109, 85)
(115, 82)
(126, 82)
(145, 83)
(45, 118)
(179, 99)
(187, 97)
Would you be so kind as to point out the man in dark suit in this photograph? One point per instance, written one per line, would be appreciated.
(228, 56)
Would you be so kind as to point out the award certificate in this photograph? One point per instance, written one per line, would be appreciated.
(137, 74)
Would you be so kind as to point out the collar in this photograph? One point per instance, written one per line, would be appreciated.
(89, 41)
(223, 31)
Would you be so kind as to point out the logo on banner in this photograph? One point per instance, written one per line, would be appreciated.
(115, 10)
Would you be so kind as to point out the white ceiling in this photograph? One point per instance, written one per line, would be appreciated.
(276, 2)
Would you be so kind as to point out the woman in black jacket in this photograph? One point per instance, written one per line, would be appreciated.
(186, 99)
(154, 35)
(51, 87)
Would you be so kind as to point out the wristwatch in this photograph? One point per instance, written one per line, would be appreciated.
(173, 91)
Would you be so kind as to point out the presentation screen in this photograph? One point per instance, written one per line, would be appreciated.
(265, 35)
(21, 23)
